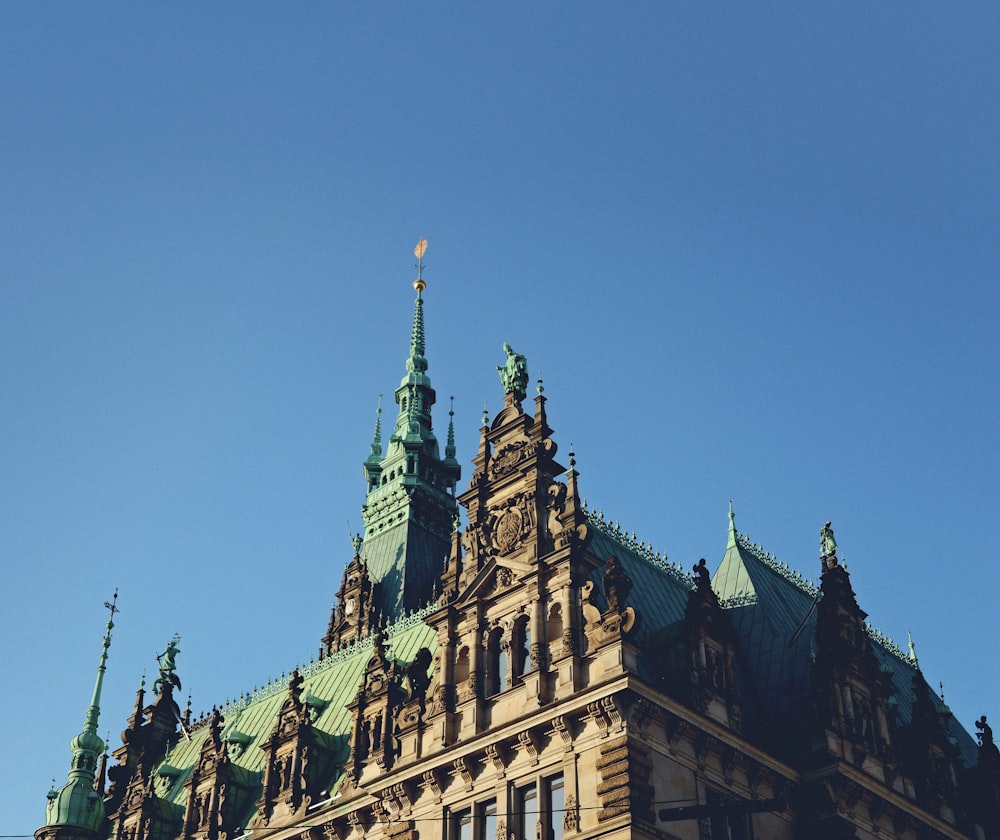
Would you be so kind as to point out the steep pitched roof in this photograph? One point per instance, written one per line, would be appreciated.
(660, 588)
(329, 686)
(773, 608)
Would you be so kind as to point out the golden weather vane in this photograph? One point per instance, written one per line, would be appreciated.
(418, 252)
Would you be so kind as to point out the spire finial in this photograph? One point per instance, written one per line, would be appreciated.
(913, 649)
(377, 438)
(417, 362)
(732, 526)
(539, 388)
(486, 415)
(449, 447)
(418, 252)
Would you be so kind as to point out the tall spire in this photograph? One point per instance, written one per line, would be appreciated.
(373, 468)
(410, 509)
(77, 803)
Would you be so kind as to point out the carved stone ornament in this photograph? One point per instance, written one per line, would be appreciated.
(508, 530)
(505, 461)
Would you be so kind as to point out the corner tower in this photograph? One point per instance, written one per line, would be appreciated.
(410, 510)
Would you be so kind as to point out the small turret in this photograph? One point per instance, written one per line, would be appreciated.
(76, 809)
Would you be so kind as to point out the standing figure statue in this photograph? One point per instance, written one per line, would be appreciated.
(168, 665)
(514, 373)
(827, 543)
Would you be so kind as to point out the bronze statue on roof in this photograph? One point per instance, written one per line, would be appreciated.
(514, 373)
(168, 665)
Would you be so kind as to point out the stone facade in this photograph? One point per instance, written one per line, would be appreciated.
(558, 680)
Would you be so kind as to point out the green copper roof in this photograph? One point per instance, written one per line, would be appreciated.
(329, 686)
(77, 803)
(773, 608)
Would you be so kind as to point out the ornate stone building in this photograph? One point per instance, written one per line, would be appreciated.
(541, 675)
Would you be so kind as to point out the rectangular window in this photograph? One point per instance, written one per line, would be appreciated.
(477, 823)
(527, 812)
(555, 806)
(486, 825)
(722, 826)
(461, 825)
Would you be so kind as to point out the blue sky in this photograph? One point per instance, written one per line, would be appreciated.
(752, 248)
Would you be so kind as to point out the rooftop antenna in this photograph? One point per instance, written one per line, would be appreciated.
(418, 252)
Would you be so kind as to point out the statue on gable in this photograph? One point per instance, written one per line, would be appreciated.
(617, 584)
(168, 665)
(828, 544)
(702, 578)
(514, 373)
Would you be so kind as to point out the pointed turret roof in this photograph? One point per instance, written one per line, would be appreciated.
(78, 803)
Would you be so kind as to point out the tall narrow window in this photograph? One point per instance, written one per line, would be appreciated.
(527, 812)
(496, 663)
(486, 827)
(555, 807)
(461, 825)
(521, 647)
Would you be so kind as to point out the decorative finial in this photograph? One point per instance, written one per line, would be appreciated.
(913, 649)
(113, 605)
(486, 415)
(449, 447)
(941, 686)
(572, 456)
(539, 388)
(418, 252)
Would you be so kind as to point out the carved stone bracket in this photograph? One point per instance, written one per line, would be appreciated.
(676, 730)
(703, 746)
(614, 716)
(731, 759)
(498, 758)
(334, 830)
(641, 714)
(526, 741)
(461, 769)
(432, 783)
(563, 727)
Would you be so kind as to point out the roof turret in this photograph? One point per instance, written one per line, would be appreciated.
(78, 803)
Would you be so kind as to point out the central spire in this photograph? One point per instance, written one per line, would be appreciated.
(410, 510)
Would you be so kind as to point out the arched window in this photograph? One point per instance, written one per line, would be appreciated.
(462, 667)
(521, 647)
(496, 663)
(554, 626)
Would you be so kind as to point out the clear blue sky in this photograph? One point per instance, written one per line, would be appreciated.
(753, 248)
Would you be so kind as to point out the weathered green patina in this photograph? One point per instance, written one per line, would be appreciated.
(514, 373)
(410, 509)
(77, 803)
